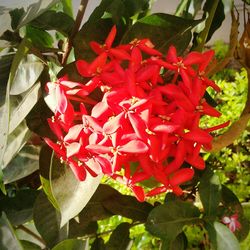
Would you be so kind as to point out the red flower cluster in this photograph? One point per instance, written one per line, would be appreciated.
(144, 125)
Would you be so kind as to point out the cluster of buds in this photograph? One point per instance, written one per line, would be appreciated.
(145, 123)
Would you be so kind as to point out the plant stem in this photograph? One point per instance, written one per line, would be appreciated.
(202, 37)
(77, 25)
(28, 231)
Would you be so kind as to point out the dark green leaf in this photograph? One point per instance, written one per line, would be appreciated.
(8, 239)
(163, 30)
(52, 20)
(39, 37)
(119, 239)
(19, 209)
(166, 221)
(81, 228)
(98, 244)
(27, 245)
(16, 16)
(179, 243)
(221, 237)
(35, 10)
(47, 220)
(37, 119)
(210, 192)
(70, 245)
(73, 199)
(128, 206)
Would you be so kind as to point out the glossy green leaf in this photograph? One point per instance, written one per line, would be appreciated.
(39, 37)
(19, 208)
(166, 221)
(221, 237)
(73, 199)
(52, 20)
(119, 239)
(24, 164)
(8, 239)
(16, 140)
(70, 245)
(163, 30)
(5, 109)
(179, 243)
(35, 10)
(29, 70)
(67, 7)
(23, 106)
(27, 245)
(47, 220)
(210, 192)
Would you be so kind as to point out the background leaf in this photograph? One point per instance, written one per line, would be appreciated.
(119, 239)
(70, 245)
(166, 221)
(47, 220)
(221, 237)
(8, 239)
(210, 192)
(36, 9)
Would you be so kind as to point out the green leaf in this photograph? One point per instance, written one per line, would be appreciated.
(79, 227)
(35, 10)
(29, 70)
(8, 239)
(5, 110)
(16, 15)
(16, 140)
(163, 30)
(70, 245)
(27, 245)
(119, 239)
(166, 221)
(221, 237)
(47, 220)
(23, 106)
(19, 208)
(24, 164)
(98, 244)
(73, 199)
(128, 206)
(67, 7)
(37, 119)
(52, 20)
(39, 37)
(179, 243)
(210, 192)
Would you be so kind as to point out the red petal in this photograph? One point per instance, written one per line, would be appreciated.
(157, 191)
(73, 149)
(139, 193)
(134, 146)
(99, 149)
(83, 68)
(119, 54)
(62, 101)
(73, 133)
(96, 47)
(79, 171)
(172, 55)
(111, 37)
(199, 136)
(181, 176)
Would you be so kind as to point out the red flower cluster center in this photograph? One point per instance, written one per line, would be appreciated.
(145, 123)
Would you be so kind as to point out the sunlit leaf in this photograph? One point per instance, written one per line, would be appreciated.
(77, 194)
(71, 244)
(221, 237)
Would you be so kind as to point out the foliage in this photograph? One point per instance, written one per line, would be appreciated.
(42, 204)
